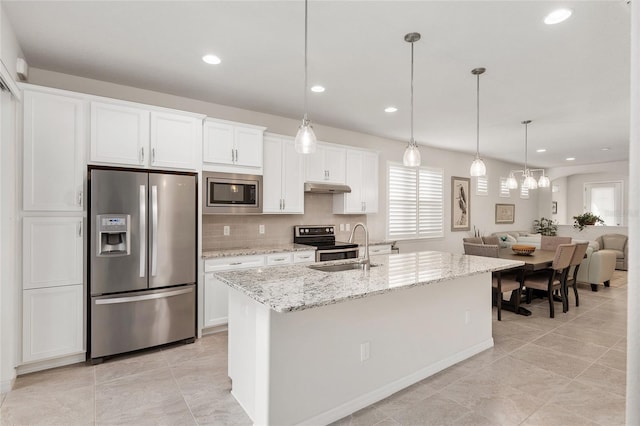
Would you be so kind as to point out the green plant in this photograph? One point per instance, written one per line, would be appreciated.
(588, 218)
(545, 226)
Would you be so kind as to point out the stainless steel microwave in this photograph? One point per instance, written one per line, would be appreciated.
(229, 193)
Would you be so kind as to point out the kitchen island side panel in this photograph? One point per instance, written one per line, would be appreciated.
(307, 365)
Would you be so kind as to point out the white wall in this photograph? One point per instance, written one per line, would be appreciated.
(9, 289)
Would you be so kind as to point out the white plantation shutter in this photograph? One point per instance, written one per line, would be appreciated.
(482, 185)
(416, 202)
(524, 192)
(504, 189)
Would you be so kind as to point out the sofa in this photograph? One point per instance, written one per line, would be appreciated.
(596, 268)
(617, 243)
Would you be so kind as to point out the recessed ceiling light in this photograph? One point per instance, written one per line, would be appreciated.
(390, 109)
(317, 89)
(605, 149)
(557, 16)
(211, 59)
(541, 150)
(570, 158)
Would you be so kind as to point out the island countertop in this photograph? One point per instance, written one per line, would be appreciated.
(298, 287)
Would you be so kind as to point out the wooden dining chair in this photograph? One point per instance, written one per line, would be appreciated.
(500, 283)
(578, 257)
(553, 278)
(551, 243)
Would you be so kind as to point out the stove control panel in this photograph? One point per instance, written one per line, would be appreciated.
(314, 231)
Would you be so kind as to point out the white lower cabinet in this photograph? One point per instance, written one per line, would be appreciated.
(216, 304)
(304, 256)
(51, 251)
(377, 249)
(52, 322)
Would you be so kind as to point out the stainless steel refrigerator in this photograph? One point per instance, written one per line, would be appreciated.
(142, 259)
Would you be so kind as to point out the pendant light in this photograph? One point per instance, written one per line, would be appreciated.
(306, 141)
(411, 156)
(477, 167)
(529, 181)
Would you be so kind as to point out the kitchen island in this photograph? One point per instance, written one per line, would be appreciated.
(310, 347)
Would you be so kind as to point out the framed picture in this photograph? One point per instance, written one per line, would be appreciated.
(460, 204)
(505, 213)
(554, 207)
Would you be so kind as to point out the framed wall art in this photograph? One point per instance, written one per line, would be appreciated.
(505, 213)
(460, 204)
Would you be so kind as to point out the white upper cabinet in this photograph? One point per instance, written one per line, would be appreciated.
(232, 147)
(54, 139)
(175, 140)
(326, 165)
(123, 134)
(283, 177)
(362, 177)
(119, 134)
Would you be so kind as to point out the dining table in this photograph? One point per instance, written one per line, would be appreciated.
(536, 261)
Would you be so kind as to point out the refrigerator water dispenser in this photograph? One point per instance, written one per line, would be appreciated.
(113, 234)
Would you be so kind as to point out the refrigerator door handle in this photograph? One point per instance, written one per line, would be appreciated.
(143, 297)
(154, 231)
(143, 230)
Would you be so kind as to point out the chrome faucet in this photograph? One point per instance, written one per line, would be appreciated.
(365, 262)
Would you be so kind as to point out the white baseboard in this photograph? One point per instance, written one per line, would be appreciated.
(7, 385)
(389, 389)
(215, 329)
(50, 363)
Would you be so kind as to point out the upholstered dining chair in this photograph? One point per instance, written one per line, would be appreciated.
(552, 278)
(551, 243)
(500, 284)
(576, 260)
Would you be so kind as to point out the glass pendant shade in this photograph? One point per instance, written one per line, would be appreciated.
(306, 141)
(530, 182)
(544, 182)
(512, 183)
(478, 168)
(411, 156)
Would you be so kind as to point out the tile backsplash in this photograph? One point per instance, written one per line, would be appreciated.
(244, 229)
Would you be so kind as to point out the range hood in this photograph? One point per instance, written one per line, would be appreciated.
(326, 188)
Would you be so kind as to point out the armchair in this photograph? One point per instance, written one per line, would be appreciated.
(617, 243)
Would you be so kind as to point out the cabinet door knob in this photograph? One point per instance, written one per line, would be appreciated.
(80, 198)
(142, 155)
(153, 155)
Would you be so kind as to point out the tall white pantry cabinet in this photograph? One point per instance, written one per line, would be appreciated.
(53, 223)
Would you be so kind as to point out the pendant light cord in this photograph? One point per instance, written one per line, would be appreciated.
(412, 142)
(306, 20)
(478, 116)
(526, 127)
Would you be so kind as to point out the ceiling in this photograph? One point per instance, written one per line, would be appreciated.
(570, 79)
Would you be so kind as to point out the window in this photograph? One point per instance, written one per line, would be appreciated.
(416, 204)
(604, 199)
(524, 192)
(482, 185)
(504, 189)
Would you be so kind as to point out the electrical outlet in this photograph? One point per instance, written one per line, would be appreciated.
(261, 229)
(348, 227)
(342, 226)
(467, 314)
(226, 230)
(365, 351)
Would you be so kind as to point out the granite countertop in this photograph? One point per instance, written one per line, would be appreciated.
(381, 242)
(296, 287)
(249, 251)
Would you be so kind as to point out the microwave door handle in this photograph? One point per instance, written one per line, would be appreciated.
(154, 230)
(142, 208)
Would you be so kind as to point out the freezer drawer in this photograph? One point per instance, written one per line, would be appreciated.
(130, 321)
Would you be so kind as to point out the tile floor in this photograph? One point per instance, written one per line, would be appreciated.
(564, 371)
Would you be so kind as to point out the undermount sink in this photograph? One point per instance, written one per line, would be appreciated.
(338, 268)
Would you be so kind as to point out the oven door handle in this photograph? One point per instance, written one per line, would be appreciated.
(338, 250)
